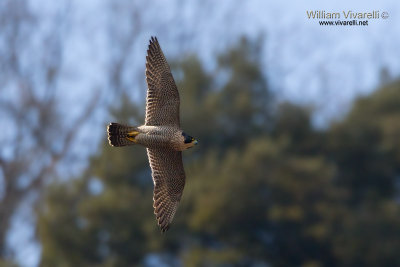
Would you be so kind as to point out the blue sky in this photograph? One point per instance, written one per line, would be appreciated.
(325, 66)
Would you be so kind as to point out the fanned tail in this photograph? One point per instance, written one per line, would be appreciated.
(121, 135)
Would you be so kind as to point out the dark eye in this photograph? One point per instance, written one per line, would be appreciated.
(188, 139)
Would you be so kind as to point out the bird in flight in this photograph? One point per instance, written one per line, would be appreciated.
(161, 134)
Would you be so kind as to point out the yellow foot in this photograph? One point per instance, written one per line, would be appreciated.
(131, 136)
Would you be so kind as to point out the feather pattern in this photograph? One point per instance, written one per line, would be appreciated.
(162, 101)
(169, 180)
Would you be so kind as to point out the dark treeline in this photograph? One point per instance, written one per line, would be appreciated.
(264, 187)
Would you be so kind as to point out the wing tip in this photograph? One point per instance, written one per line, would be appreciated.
(163, 223)
(164, 228)
(153, 49)
(153, 39)
(153, 42)
(163, 220)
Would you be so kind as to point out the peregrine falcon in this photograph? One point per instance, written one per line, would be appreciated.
(161, 135)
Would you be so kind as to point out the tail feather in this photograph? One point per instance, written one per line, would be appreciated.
(121, 135)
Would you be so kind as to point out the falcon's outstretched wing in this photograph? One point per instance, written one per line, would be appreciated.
(169, 180)
(162, 102)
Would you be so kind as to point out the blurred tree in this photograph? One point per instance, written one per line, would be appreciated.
(243, 105)
(293, 123)
(108, 208)
(36, 137)
(121, 41)
(7, 263)
(264, 188)
(263, 202)
(195, 88)
(369, 236)
(366, 147)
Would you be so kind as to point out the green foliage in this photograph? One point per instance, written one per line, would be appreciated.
(6, 263)
(366, 146)
(263, 187)
(266, 197)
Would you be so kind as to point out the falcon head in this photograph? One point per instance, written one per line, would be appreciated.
(188, 141)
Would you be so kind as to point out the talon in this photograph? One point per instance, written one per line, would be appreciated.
(132, 135)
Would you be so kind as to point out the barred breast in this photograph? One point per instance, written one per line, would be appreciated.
(158, 137)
